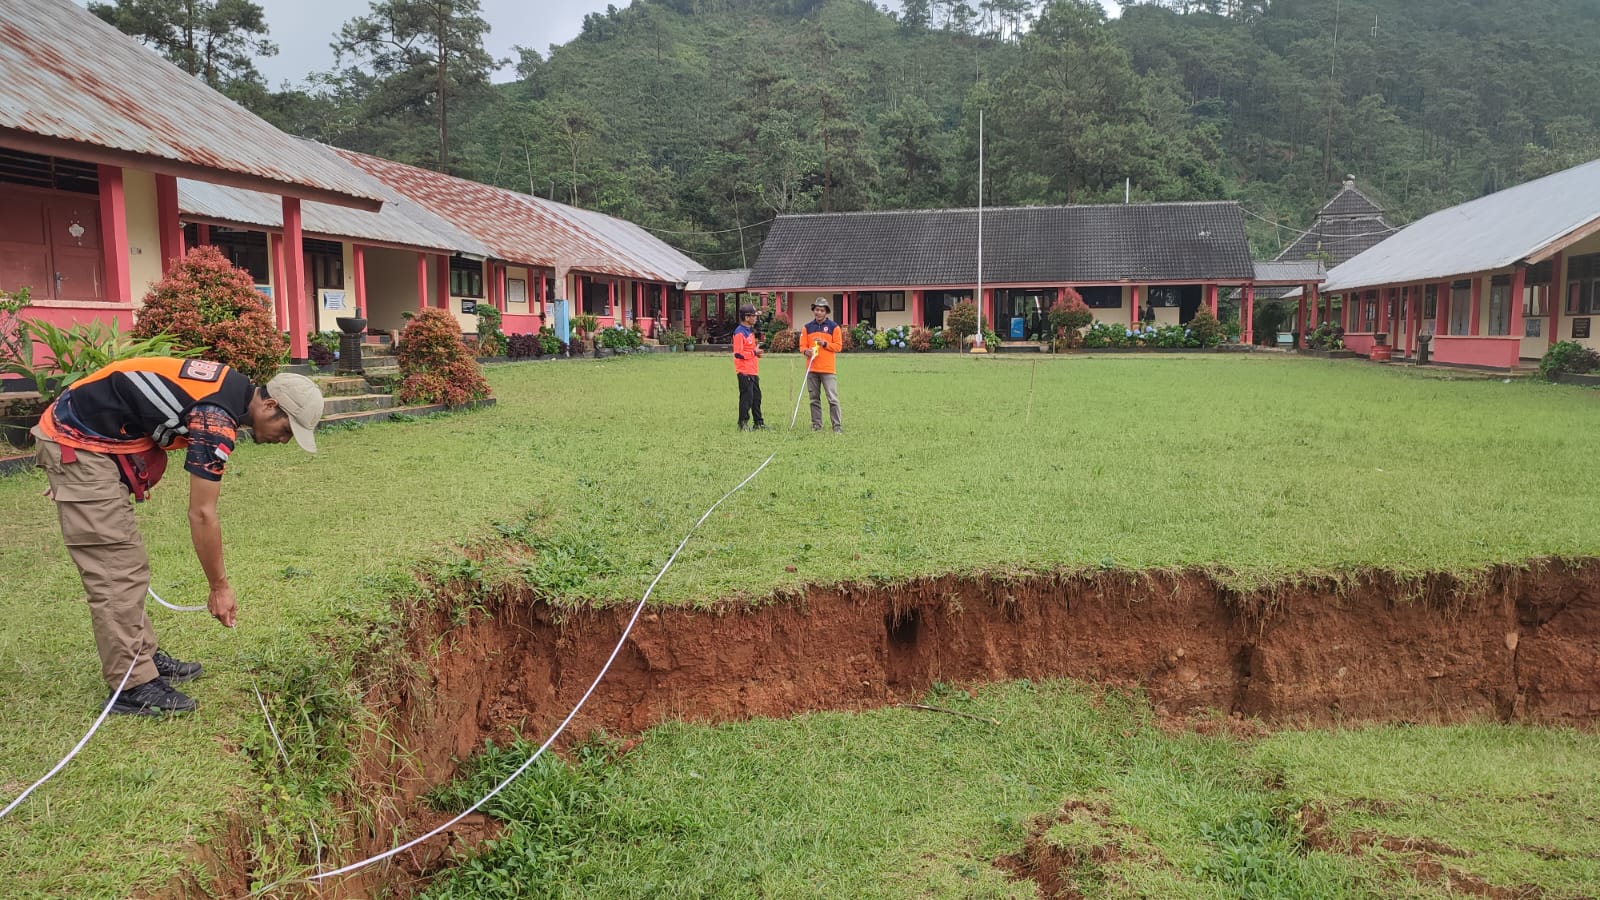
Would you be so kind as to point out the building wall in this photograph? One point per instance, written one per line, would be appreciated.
(1582, 248)
(144, 238)
(325, 317)
(391, 287)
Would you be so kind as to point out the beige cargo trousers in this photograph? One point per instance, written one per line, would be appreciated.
(103, 540)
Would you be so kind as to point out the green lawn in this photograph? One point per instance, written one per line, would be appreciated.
(1259, 468)
(908, 803)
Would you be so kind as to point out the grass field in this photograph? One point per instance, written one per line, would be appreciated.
(1259, 468)
(904, 803)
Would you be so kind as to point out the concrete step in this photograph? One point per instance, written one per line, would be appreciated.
(350, 403)
(1021, 347)
(341, 385)
(382, 371)
(384, 415)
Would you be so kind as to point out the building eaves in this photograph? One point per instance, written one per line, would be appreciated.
(401, 222)
(72, 85)
(717, 280)
(630, 241)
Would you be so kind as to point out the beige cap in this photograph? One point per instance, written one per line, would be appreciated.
(298, 396)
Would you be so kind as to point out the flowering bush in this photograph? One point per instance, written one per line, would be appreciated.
(961, 322)
(1103, 335)
(1568, 356)
(862, 335)
(897, 338)
(549, 344)
(847, 340)
(207, 303)
(920, 340)
(435, 365)
(1068, 314)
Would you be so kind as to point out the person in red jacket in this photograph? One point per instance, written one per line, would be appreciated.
(746, 356)
(821, 341)
(107, 436)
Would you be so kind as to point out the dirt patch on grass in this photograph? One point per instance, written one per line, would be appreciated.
(1066, 854)
(1519, 644)
(1423, 858)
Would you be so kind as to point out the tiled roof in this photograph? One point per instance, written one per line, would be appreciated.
(1345, 226)
(69, 80)
(523, 229)
(401, 221)
(1034, 244)
(1350, 202)
(1481, 235)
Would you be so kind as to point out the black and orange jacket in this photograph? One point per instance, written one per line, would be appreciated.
(744, 351)
(824, 338)
(144, 404)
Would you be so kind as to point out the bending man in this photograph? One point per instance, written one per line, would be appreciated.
(105, 438)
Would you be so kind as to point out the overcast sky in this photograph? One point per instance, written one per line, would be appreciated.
(303, 29)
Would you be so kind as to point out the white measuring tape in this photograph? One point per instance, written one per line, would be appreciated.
(68, 758)
(638, 608)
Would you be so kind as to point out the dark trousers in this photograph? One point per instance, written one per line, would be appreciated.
(750, 400)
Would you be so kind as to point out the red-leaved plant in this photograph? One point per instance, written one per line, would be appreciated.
(435, 365)
(207, 302)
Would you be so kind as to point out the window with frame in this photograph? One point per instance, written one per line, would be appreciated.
(1369, 312)
(1430, 302)
(1500, 305)
(1536, 290)
(1460, 307)
(466, 278)
(324, 264)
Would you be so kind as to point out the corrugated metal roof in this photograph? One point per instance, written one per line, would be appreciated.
(66, 75)
(401, 221)
(1481, 235)
(719, 280)
(1299, 270)
(520, 228)
(638, 246)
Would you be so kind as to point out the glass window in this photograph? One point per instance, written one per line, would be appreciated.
(466, 278)
(1500, 305)
(1430, 302)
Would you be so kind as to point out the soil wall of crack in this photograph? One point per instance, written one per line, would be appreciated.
(1520, 644)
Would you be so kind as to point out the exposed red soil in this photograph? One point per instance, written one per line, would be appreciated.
(1522, 644)
(1057, 870)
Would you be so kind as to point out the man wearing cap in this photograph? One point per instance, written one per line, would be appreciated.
(821, 341)
(746, 366)
(106, 437)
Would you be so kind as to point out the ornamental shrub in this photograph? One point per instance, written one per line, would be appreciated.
(521, 346)
(962, 322)
(920, 340)
(846, 341)
(785, 341)
(491, 340)
(435, 365)
(549, 344)
(1205, 329)
(1568, 356)
(207, 304)
(1069, 314)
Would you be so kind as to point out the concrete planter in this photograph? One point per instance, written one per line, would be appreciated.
(1574, 378)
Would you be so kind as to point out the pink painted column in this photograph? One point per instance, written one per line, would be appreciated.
(1441, 310)
(1133, 306)
(114, 235)
(1211, 298)
(1477, 305)
(688, 328)
(916, 309)
(441, 277)
(280, 303)
(360, 254)
(666, 297)
(1300, 315)
(168, 226)
(611, 298)
(988, 310)
(1413, 317)
(1554, 299)
(294, 271)
(1249, 314)
(422, 281)
(202, 234)
(1519, 283)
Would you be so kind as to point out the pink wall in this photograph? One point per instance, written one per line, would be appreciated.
(1360, 343)
(512, 323)
(1498, 352)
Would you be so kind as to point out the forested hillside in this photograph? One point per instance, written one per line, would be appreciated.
(705, 118)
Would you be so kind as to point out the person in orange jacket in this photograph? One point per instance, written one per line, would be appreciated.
(746, 356)
(105, 437)
(821, 341)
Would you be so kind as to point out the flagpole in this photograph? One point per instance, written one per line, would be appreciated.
(977, 344)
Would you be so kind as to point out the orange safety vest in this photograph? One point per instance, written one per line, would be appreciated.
(138, 405)
(825, 342)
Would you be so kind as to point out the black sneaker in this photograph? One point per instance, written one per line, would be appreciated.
(153, 698)
(175, 671)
